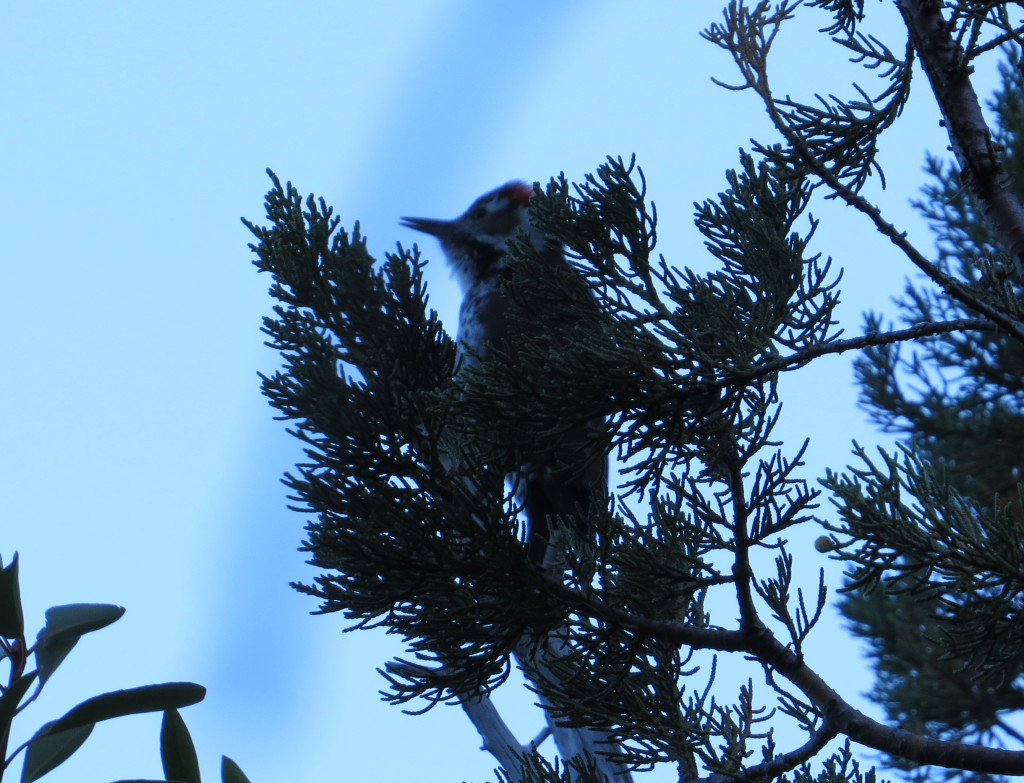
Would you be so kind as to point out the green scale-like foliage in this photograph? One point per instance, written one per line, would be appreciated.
(406, 455)
(412, 526)
(942, 553)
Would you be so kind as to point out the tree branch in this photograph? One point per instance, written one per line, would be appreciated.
(742, 572)
(806, 355)
(785, 762)
(899, 238)
(745, 39)
(999, 40)
(840, 714)
(573, 742)
(981, 168)
(498, 738)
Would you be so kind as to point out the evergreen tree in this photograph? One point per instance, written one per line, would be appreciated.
(690, 561)
(958, 399)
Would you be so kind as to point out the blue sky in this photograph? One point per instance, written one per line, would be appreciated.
(140, 464)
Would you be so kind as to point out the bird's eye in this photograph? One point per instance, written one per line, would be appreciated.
(479, 213)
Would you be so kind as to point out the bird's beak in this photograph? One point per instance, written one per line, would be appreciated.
(436, 228)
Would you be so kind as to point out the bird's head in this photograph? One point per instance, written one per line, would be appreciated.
(476, 241)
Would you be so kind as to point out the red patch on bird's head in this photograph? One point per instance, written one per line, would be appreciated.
(518, 193)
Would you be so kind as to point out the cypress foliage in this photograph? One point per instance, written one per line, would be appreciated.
(943, 624)
(690, 561)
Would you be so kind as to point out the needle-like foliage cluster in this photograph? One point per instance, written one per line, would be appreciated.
(429, 547)
(413, 528)
(952, 572)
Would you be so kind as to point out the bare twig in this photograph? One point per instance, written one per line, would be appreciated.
(806, 355)
(999, 40)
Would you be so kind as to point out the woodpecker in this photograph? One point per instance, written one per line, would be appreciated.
(572, 481)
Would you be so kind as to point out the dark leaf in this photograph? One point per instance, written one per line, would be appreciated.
(64, 626)
(148, 698)
(177, 751)
(230, 772)
(58, 739)
(12, 623)
(12, 698)
(48, 751)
